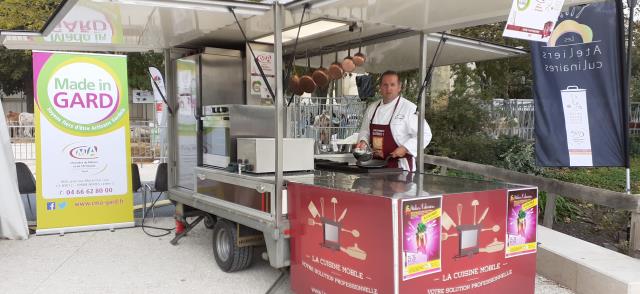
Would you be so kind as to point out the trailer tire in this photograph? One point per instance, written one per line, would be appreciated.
(229, 257)
(209, 221)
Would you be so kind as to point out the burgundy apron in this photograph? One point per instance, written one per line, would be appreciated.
(382, 139)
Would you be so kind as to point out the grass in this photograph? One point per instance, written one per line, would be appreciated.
(609, 178)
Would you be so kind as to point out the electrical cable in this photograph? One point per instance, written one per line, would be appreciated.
(146, 210)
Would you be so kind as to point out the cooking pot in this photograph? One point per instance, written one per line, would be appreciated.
(363, 154)
(307, 84)
(347, 63)
(359, 58)
(335, 70)
(294, 81)
(321, 75)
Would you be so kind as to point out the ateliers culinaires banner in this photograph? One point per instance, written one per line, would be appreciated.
(578, 89)
(82, 142)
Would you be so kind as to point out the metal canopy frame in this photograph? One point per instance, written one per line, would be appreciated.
(279, 9)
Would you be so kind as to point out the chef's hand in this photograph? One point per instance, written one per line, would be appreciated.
(399, 152)
(361, 145)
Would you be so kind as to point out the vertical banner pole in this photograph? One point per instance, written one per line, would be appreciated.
(632, 5)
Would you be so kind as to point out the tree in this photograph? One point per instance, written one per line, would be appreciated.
(138, 68)
(16, 72)
(503, 78)
(15, 65)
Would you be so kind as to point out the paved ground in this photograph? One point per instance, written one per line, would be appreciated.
(128, 261)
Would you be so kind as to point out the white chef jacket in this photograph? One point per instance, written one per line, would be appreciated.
(404, 126)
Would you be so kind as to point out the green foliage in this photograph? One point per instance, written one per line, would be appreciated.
(16, 72)
(566, 209)
(138, 68)
(26, 15)
(15, 65)
(459, 130)
(516, 154)
(634, 145)
(503, 78)
(609, 178)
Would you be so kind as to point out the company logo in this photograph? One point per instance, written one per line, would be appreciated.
(84, 152)
(572, 46)
(571, 28)
(56, 205)
(83, 92)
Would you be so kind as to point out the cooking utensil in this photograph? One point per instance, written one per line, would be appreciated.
(446, 236)
(495, 229)
(494, 246)
(347, 63)
(313, 222)
(294, 80)
(459, 207)
(474, 203)
(334, 201)
(307, 84)
(374, 163)
(313, 209)
(355, 252)
(335, 69)
(484, 214)
(359, 58)
(447, 222)
(354, 232)
(363, 154)
(344, 212)
(321, 75)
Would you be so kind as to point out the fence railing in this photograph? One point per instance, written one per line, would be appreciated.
(22, 142)
(553, 187)
(512, 117)
(146, 142)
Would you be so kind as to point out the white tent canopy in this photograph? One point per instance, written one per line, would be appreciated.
(142, 25)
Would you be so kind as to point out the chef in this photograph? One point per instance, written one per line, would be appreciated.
(390, 126)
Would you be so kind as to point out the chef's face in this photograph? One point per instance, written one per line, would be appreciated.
(390, 87)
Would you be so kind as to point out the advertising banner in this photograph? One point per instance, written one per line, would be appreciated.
(532, 20)
(341, 242)
(473, 240)
(522, 216)
(347, 242)
(421, 237)
(187, 89)
(82, 142)
(578, 89)
(258, 87)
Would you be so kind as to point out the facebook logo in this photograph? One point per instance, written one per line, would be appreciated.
(51, 206)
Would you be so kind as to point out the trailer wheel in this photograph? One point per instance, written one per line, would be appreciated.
(209, 221)
(229, 256)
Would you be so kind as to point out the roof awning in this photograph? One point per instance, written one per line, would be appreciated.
(142, 25)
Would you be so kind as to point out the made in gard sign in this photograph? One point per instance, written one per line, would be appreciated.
(82, 142)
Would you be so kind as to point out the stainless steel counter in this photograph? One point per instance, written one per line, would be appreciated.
(396, 185)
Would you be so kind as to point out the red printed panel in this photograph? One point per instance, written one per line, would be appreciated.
(341, 242)
(474, 230)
